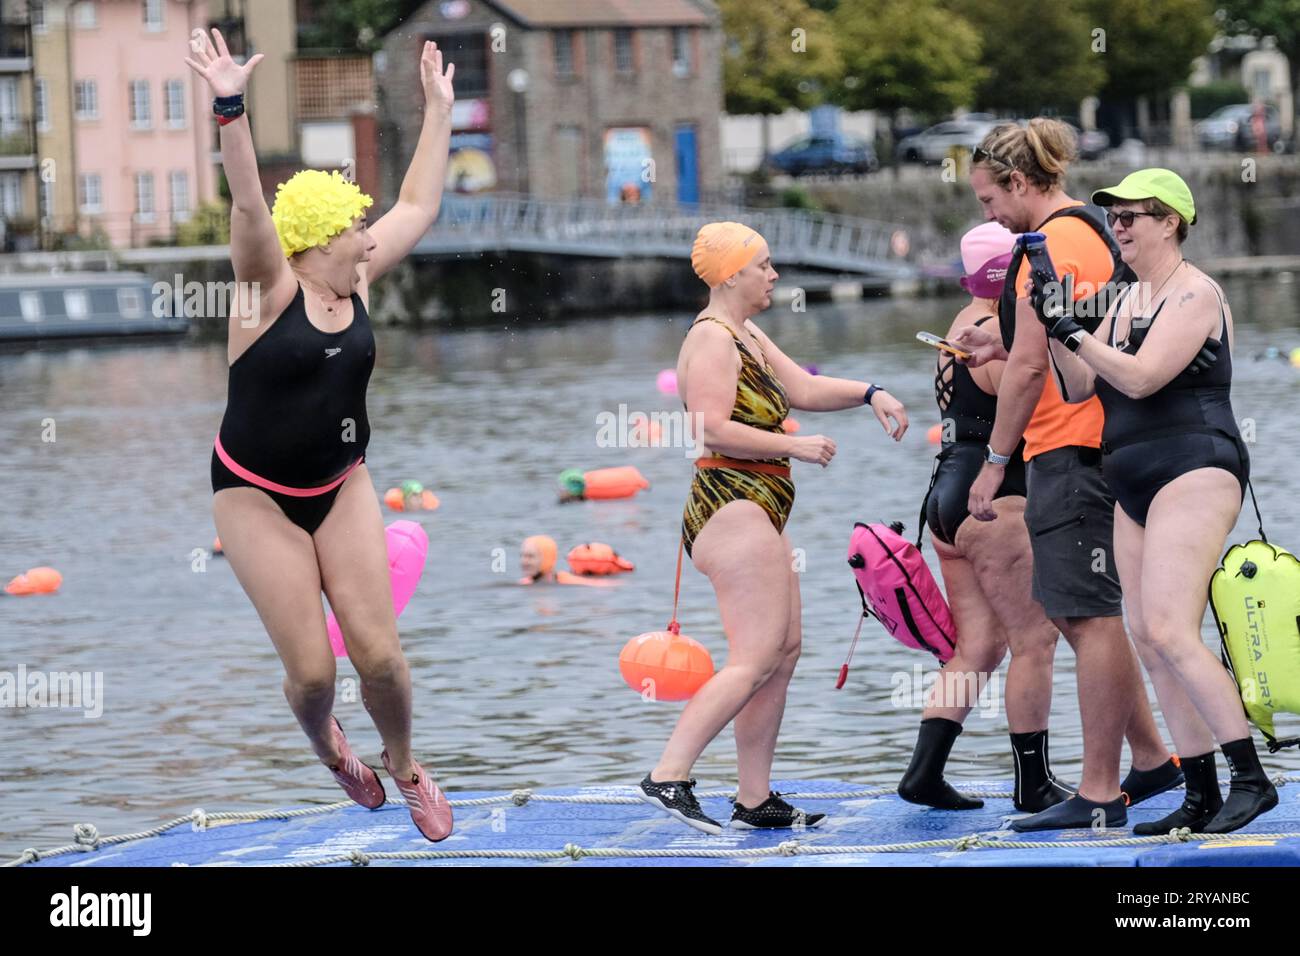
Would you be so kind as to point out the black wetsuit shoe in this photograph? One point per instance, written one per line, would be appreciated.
(677, 798)
(1077, 813)
(1251, 792)
(1199, 806)
(923, 782)
(773, 814)
(1036, 786)
(1141, 785)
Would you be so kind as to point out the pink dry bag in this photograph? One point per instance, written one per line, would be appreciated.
(899, 591)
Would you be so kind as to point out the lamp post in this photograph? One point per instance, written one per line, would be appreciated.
(517, 80)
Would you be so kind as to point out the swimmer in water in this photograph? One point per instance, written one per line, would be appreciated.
(537, 557)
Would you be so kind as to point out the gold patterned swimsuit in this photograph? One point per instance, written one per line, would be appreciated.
(761, 402)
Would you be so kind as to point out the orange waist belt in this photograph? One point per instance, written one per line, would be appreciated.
(740, 464)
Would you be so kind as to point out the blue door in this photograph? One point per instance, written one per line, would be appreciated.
(688, 170)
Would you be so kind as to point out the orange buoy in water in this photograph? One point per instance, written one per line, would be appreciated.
(36, 581)
(790, 426)
(935, 434)
(597, 558)
(622, 482)
(663, 665)
(645, 433)
(395, 500)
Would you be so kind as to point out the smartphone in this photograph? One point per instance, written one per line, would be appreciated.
(943, 345)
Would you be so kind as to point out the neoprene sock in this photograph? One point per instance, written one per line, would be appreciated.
(1036, 787)
(1074, 814)
(1251, 792)
(923, 782)
(1140, 785)
(1199, 806)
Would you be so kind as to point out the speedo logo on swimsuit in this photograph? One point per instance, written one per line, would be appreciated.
(330, 353)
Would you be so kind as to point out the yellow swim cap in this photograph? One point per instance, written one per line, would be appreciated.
(313, 207)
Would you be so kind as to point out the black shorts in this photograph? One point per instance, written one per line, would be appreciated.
(1070, 514)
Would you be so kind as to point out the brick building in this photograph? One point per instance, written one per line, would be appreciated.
(614, 99)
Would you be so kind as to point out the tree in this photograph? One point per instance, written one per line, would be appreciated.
(1039, 55)
(906, 54)
(1143, 56)
(779, 54)
(355, 26)
(1279, 19)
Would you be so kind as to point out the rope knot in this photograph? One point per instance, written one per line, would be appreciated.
(1181, 834)
(573, 851)
(86, 835)
(29, 856)
(969, 842)
(198, 819)
(358, 858)
(789, 848)
(520, 797)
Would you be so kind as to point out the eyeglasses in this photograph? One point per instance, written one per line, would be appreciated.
(1126, 217)
(980, 154)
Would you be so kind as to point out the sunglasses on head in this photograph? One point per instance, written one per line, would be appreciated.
(979, 154)
(1126, 217)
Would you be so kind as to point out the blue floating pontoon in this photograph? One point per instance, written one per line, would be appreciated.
(611, 826)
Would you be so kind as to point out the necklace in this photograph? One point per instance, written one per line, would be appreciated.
(1155, 295)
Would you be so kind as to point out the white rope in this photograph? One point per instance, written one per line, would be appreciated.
(88, 839)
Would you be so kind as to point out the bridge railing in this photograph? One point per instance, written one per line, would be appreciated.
(812, 238)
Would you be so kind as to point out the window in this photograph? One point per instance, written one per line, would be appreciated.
(130, 303)
(623, 50)
(180, 187)
(8, 105)
(45, 200)
(76, 303)
(89, 195)
(41, 94)
(87, 17)
(174, 96)
(85, 100)
(681, 52)
(29, 303)
(469, 52)
(37, 10)
(141, 113)
(153, 15)
(11, 195)
(144, 197)
(563, 52)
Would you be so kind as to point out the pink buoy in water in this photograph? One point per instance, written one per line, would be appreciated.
(408, 545)
(666, 381)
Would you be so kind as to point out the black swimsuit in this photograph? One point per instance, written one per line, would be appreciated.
(296, 411)
(1187, 424)
(968, 413)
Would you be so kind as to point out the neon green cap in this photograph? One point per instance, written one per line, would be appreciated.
(1153, 183)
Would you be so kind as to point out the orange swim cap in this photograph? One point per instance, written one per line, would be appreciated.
(721, 250)
(547, 549)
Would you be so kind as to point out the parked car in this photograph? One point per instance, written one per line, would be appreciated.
(1092, 142)
(1230, 127)
(932, 145)
(825, 154)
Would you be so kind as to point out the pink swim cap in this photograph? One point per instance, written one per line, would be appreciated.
(985, 255)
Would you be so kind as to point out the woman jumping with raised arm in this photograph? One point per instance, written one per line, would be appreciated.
(293, 502)
(739, 386)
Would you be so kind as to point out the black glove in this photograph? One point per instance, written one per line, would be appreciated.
(1045, 297)
(1205, 358)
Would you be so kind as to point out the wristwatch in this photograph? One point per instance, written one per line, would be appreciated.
(993, 458)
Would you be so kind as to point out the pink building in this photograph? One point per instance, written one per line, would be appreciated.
(143, 133)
